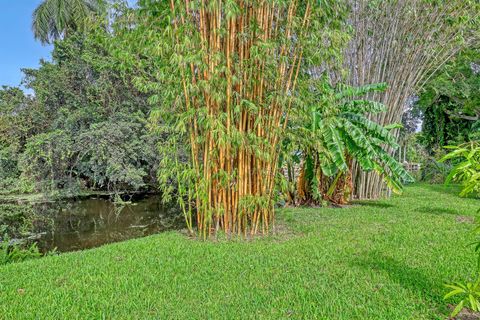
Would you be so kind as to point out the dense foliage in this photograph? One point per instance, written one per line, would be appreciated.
(450, 103)
(85, 125)
(55, 19)
(467, 167)
(448, 109)
(222, 84)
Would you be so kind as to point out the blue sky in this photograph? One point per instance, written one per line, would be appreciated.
(18, 48)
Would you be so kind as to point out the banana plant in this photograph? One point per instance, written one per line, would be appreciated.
(333, 129)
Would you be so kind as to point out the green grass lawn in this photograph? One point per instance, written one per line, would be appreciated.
(375, 260)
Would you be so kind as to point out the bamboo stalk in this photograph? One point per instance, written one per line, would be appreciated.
(402, 43)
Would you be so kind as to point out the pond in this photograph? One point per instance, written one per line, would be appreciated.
(88, 223)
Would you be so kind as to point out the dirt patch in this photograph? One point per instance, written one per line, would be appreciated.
(465, 219)
(465, 314)
(280, 233)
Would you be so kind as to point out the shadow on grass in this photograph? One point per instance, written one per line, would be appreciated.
(407, 277)
(376, 204)
(437, 210)
(452, 189)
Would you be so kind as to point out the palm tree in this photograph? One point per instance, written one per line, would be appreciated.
(54, 19)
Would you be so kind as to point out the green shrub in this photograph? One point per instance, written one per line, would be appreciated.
(10, 253)
(434, 171)
(467, 168)
(469, 292)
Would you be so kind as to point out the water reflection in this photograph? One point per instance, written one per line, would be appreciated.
(82, 224)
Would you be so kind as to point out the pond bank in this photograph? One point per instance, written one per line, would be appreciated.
(45, 198)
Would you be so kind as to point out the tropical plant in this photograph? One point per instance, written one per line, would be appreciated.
(467, 170)
(450, 103)
(54, 19)
(469, 293)
(332, 131)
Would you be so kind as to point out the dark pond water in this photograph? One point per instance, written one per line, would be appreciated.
(88, 223)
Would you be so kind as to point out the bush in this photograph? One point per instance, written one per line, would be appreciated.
(467, 167)
(434, 171)
(47, 160)
(10, 253)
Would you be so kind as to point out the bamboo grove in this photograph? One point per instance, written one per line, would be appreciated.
(402, 43)
(226, 76)
(233, 71)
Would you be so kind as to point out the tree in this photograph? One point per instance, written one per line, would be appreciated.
(47, 159)
(105, 142)
(85, 126)
(14, 123)
(18, 121)
(223, 77)
(450, 103)
(54, 19)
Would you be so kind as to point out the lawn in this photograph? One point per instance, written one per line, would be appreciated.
(374, 260)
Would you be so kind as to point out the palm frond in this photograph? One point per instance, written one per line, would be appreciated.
(52, 19)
